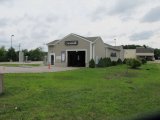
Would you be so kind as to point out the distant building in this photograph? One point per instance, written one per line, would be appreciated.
(139, 52)
(75, 50)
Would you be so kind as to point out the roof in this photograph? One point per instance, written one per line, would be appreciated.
(112, 47)
(91, 39)
(53, 42)
(144, 50)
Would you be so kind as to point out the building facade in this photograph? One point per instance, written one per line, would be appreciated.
(76, 51)
(139, 52)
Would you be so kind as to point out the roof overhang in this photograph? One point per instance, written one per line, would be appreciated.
(144, 54)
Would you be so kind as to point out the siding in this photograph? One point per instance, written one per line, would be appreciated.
(129, 53)
(59, 47)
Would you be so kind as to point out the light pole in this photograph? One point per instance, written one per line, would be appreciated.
(11, 46)
(11, 40)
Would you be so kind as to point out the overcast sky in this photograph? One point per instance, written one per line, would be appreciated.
(35, 22)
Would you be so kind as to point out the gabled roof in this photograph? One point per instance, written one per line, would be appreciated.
(144, 50)
(89, 39)
(92, 39)
(53, 42)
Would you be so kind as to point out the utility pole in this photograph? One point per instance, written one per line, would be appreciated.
(11, 47)
(11, 40)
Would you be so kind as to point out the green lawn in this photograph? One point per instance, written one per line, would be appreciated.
(84, 94)
(19, 65)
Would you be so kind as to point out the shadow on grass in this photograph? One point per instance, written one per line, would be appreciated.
(121, 75)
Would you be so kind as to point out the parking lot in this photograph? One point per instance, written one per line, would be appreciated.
(32, 69)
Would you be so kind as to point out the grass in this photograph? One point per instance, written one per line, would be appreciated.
(84, 94)
(19, 65)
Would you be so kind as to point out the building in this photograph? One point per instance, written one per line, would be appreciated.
(139, 52)
(76, 51)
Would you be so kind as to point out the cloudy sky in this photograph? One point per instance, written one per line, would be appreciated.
(36, 22)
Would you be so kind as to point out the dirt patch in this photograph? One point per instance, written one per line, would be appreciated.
(121, 75)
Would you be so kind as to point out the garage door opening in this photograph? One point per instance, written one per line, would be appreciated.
(76, 59)
(52, 59)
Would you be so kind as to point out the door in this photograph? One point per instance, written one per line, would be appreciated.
(52, 59)
(76, 58)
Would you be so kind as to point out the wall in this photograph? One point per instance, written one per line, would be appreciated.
(129, 53)
(108, 54)
(121, 52)
(59, 47)
(99, 50)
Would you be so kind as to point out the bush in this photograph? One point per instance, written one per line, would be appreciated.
(114, 63)
(119, 61)
(133, 63)
(124, 61)
(144, 61)
(91, 63)
(107, 62)
(100, 63)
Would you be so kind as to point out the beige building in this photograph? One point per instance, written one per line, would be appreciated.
(139, 52)
(76, 50)
(130, 53)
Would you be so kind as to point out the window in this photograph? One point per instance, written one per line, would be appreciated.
(63, 56)
(113, 55)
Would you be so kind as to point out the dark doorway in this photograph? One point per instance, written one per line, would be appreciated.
(52, 59)
(76, 59)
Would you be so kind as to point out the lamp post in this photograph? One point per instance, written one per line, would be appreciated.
(11, 46)
(11, 40)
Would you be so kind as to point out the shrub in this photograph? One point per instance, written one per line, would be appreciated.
(133, 63)
(100, 63)
(124, 61)
(144, 61)
(119, 61)
(91, 63)
(107, 62)
(114, 63)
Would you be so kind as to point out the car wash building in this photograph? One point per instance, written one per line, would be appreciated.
(76, 51)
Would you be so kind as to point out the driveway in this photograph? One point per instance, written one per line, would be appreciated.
(30, 69)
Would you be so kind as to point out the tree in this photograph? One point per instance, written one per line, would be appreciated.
(36, 54)
(100, 63)
(107, 62)
(133, 63)
(119, 61)
(11, 55)
(91, 63)
(131, 46)
(156, 53)
(3, 54)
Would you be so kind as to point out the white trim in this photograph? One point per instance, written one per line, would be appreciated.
(53, 44)
(76, 50)
(81, 38)
(49, 60)
(98, 38)
(91, 51)
(94, 51)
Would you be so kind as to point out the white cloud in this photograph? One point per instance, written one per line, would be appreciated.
(152, 15)
(34, 22)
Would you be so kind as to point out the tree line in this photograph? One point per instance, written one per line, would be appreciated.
(38, 54)
(11, 54)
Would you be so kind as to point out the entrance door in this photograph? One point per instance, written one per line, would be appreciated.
(76, 58)
(52, 59)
